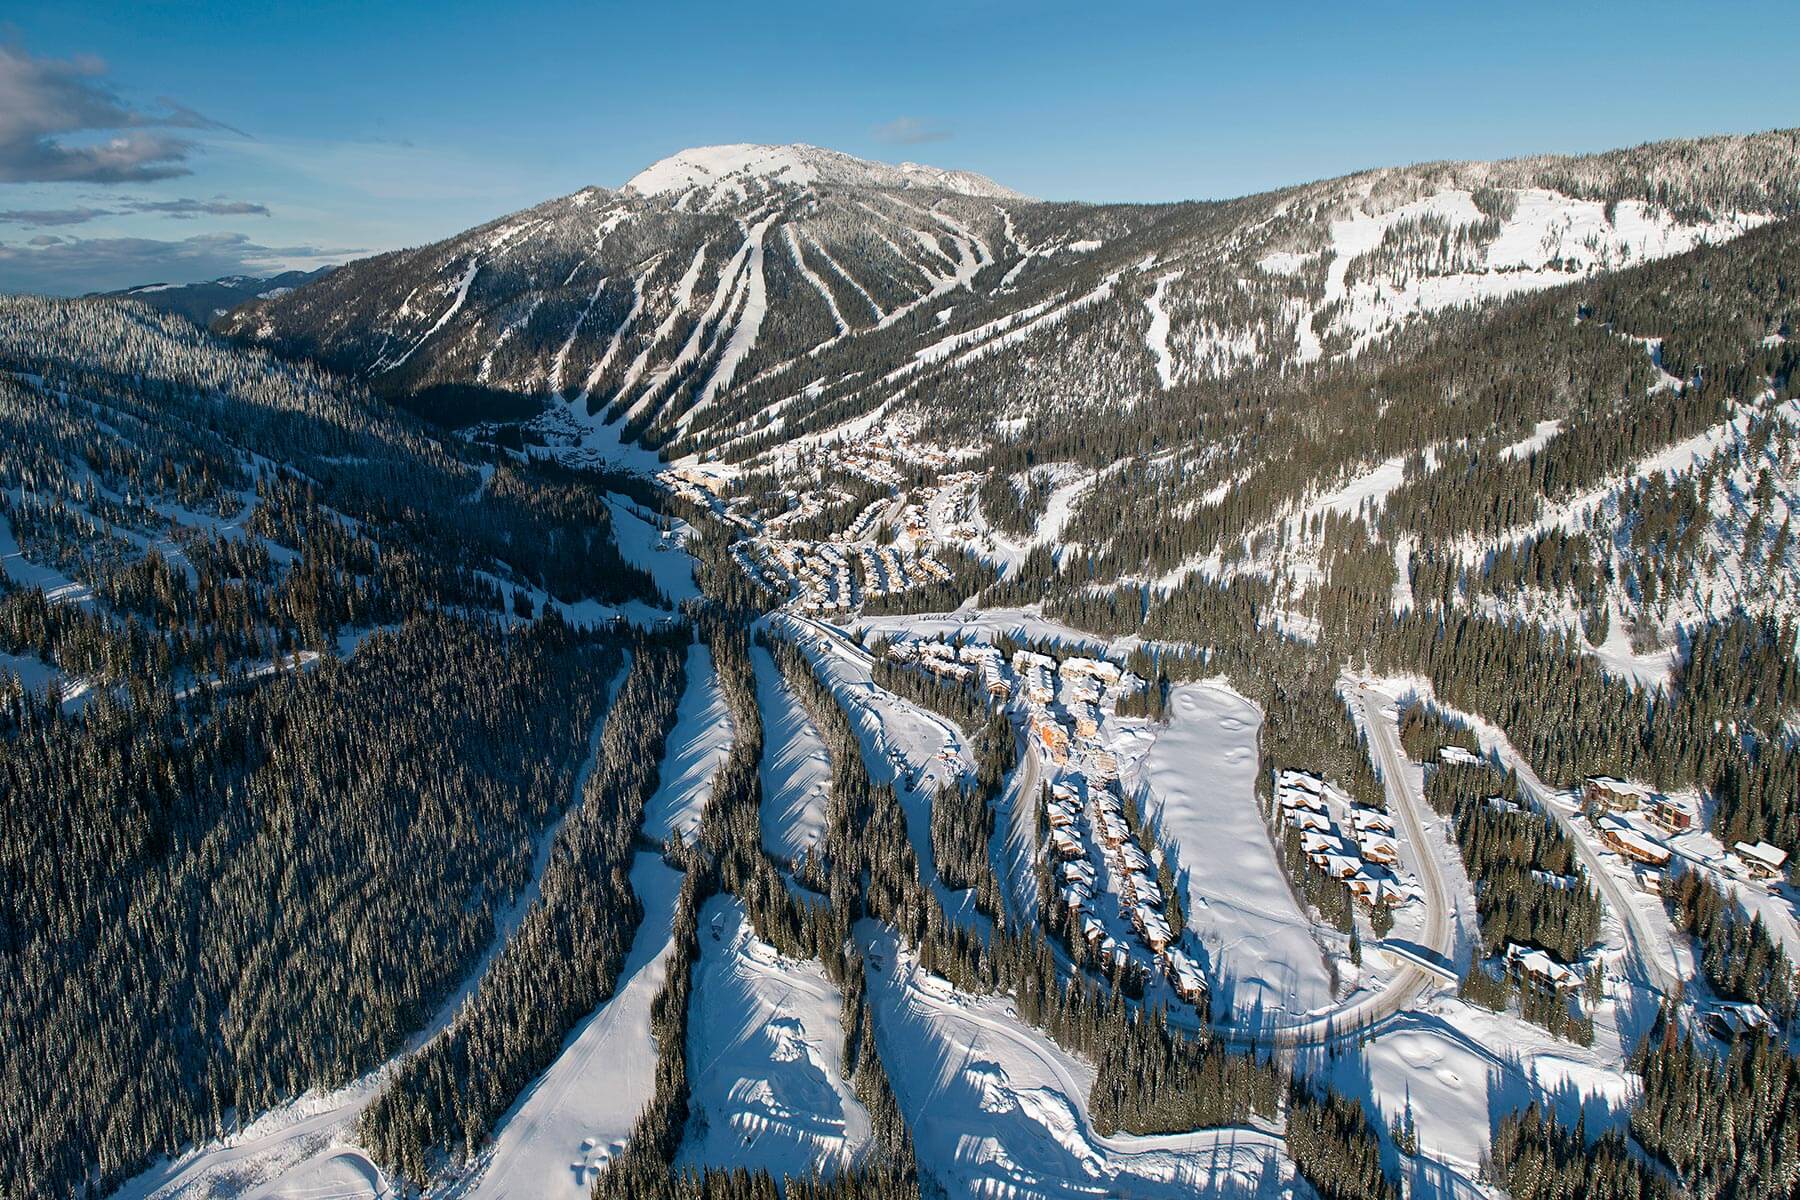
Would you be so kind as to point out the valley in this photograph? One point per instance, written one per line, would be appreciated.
(806, 676)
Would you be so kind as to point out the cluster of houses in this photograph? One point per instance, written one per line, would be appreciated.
(1092, 851)
(955, 519)
(1632, 821)
(1345, 840)
(1081, 816)
(803, 506)
(832, 576)
(966, 663)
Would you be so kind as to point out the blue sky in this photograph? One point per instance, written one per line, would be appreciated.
(170, 141)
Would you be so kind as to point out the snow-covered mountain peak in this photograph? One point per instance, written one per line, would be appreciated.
(738, 165)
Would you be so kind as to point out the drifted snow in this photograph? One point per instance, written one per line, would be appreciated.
(765, 1055)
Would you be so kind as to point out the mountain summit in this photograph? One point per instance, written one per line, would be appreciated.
(735, 167)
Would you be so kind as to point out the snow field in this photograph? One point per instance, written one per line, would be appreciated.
(796, 766)
(999, 1110)
(699, 743)
(765, 1054)
(1197, 778)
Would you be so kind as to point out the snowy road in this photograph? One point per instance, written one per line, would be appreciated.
(1640, 940)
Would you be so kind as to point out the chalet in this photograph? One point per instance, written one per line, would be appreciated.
(1761, 860)
(1112, 829)
(1092, 931)
(1064, 846)
(1298, 781)
(1077, 872)
(1104, 764)
(1383, 850)
(1733, 1021)
(1185, 978)
(1338, 866)
(1670, 814)
(1132, 859)
(1087, 721)
(945, 669)
(1307, 820)
(1541, 969)
(1456, 756)
(1097, 668)
(1061, 814)
(1369, 820)
(1144, 889)
(1152, 928)
(1650, 881)
(1053, 737)
(1614, 795)
(1371, 893)
(1621, 838)
(1561, 883)
(1323, 843)
(1075, 897)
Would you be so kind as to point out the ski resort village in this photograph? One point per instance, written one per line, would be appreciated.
(799, 677)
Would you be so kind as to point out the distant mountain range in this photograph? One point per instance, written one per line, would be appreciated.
(203, 302)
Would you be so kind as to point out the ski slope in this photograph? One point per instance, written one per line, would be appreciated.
(765, 1057)
(796, 767)
(1198, 780)
(579, 1112)
(698, 744)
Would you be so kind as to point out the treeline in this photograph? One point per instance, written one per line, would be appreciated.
(1728, 1127)
(1530, 887)
(207, 908)
(1534, 1158)
(444, 1099)
(1737, 954)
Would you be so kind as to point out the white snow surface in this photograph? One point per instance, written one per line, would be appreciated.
(998, 1110)
(765, 1048)
(796, 767)
(1198, 780)
(699, 743)
(732, 167)
(580, 1111)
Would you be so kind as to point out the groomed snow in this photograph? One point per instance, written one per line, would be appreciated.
(580, 1111)
(796, 767)
(1199, 780)
(765, 1055)
(699, 743)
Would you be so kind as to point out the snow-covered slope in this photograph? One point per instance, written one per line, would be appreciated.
(744, 167)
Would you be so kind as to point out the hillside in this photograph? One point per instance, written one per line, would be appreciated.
(801, 675)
